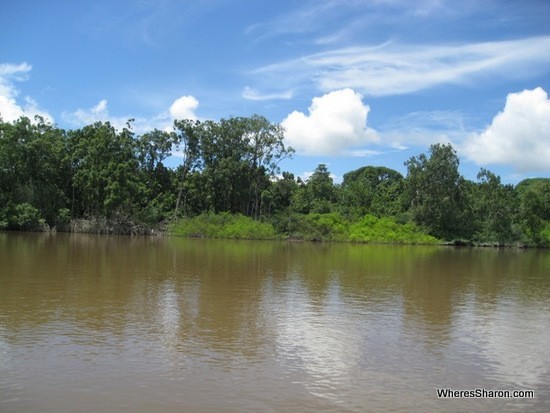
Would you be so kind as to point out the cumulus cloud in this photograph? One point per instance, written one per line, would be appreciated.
(184, 108)
(336, 125)
(519, 136)
(10, 108)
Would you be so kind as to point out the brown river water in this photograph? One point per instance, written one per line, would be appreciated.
(120, 324)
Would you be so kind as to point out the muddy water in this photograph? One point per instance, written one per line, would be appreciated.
(112, 324)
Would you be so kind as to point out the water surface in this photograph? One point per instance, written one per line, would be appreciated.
(111, 324)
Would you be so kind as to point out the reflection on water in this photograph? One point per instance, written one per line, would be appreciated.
(110, 324)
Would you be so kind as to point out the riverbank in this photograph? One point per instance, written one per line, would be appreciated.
(118, 225)
(310, 227)
(329, 227)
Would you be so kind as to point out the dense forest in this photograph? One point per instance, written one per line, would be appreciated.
(100, 179)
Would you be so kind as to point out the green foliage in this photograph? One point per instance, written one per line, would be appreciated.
(373, 190)
(223, 225)
(33, 169)
(278, 195)
(334, 227)
(63, 217)
(318, 195)
(545, 235)
(26, 217)
(105, 169)
(319, 227)
(100, 179)
(387, 230)
(236, 158)
(534, 210)
(436, 194)
(494, 208)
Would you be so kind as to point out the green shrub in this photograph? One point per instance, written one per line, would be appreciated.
(545, 235)
(26, 217)
(312, 227)
(372, 229)
(325, 227)
(223, 225)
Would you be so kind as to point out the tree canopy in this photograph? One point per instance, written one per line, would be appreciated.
(50, 177)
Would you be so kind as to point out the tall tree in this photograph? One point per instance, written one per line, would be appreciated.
(187, 139)
(105, 169)
(266, 150)
(157, 190)
(319, 193)
(236, 158)
(435, 192)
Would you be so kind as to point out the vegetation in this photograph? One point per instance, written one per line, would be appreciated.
(99, 179)
(223, 225)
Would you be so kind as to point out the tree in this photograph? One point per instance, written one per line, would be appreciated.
(435, 193)
(105, 170)
(153, 148)
(534, 209)
(158, 194)
(278, 196)
(187, 139)
(235, 156)
(33, 172)
(494, 208)
(375, 190)
(266, 151)
(318, 194)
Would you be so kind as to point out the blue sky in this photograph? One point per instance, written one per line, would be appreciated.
(354, 82)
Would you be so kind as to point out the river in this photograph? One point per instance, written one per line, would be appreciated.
(154, 324)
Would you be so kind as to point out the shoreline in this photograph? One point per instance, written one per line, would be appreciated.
(163, 232)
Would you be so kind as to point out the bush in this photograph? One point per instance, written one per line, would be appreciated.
(324, 227)
(26, 217)
(311, 227)
(223, 225)
(372, 229)
(545, 235)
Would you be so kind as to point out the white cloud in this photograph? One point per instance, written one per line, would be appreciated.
(100, 113)
(313, 17)
(10, 108)
(252, 94)
(10, 72)
(184, 108)
(519, 136)
(82, 117)
(336, 123)
(362, 153)
(392, 68)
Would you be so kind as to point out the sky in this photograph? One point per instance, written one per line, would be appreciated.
(353, 82)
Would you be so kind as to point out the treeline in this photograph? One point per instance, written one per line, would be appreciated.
(100, 179)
